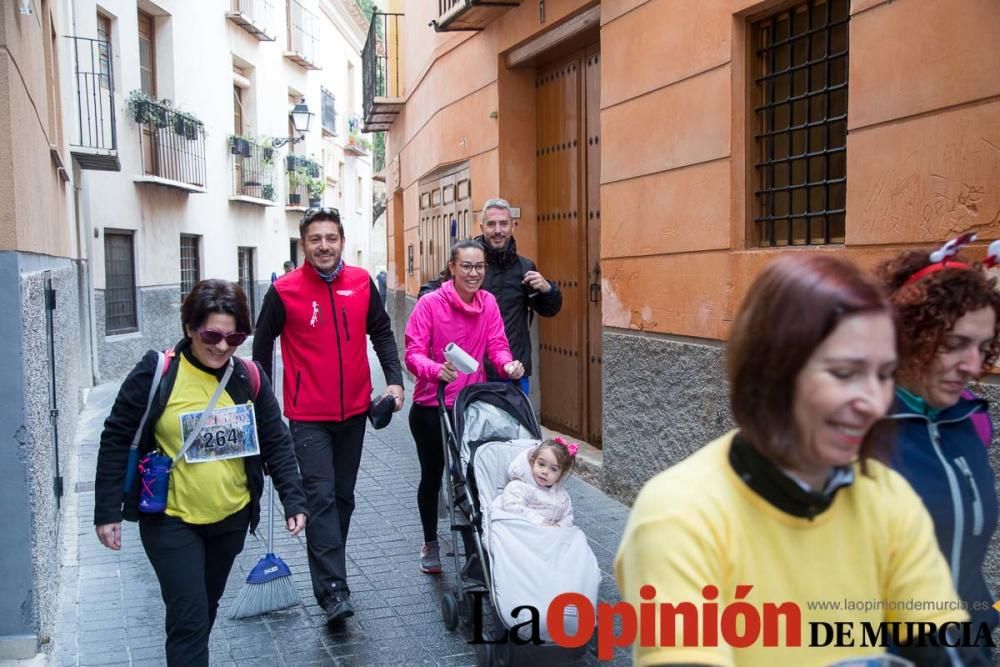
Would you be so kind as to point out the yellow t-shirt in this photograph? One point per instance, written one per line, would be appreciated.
(698, 524)
(200, 493)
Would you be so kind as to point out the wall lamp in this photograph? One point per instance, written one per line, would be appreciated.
(24, 7)
(301, 119)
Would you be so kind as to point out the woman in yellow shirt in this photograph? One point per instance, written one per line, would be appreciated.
(215, 487)
(789, 518)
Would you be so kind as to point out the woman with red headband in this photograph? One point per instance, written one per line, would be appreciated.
(947, 323)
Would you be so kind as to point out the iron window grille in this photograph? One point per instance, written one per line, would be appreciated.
(245, 257)
(800, 69)
(119, 290)
(329, 112)
(190, 264)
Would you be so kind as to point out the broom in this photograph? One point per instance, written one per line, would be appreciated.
(269, 585)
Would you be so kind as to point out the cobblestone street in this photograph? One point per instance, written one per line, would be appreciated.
(111, 612)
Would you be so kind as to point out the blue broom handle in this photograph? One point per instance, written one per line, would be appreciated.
(270, 520)
(270, 500)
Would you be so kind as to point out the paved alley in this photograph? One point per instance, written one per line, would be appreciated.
(111, 612)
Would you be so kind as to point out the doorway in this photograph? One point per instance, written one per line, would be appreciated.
(568, 155)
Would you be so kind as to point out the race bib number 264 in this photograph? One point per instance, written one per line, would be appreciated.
(228, 433)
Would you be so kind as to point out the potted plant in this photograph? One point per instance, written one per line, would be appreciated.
(266, 151)
(316, 188)
(146, 110)
(296, 178)
(267, 191)
(239, 145)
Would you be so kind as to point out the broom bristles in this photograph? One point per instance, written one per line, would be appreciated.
(269, 588)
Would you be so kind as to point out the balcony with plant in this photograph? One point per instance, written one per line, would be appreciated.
(357, 143)
(172, 143)
(301, 174)
(253, 169)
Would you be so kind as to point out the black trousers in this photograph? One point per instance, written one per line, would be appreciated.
(425, 426)
(192, 563)
(329, 455)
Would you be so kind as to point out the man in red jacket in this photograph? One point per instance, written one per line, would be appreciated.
(324, 311)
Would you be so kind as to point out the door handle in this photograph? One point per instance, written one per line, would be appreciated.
(595, 286)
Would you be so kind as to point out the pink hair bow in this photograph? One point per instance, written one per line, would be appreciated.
(571, 447)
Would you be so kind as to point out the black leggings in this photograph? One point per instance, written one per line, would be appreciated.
(426, 429)
(192, 563)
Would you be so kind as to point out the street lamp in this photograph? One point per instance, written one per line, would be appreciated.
(301, 118)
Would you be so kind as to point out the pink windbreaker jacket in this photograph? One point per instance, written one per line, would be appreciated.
(441, 317)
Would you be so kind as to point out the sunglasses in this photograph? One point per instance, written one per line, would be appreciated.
(212, 337)
(324, 212)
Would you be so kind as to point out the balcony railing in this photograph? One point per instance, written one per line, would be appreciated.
(380, 73)
(305, 181)
(172, 146)
(253, 16)
(253, 171)
(95, 139)
(469, 14)
(302, 35)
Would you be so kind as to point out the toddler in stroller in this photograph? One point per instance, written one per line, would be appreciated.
(535, 490)
(527, 564)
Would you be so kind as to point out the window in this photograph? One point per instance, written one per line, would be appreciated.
(329, 112)
(237, 110)
(104, 50)
(147, 54)
(799, 70)
(119, 283)
(190, 264)
(245, 259)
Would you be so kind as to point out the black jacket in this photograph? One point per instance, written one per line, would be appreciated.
(505, 271)
(121, 424)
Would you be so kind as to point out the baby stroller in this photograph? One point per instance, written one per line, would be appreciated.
(508, 562)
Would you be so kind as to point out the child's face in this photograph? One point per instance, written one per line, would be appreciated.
(545, 468)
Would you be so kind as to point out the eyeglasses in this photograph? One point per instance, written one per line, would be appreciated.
(212, 337)
(469, 268)
(324, 212)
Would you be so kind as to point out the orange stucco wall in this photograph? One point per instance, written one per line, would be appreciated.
(454, 112)
(923, 147)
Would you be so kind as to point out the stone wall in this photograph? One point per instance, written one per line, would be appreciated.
(35, 450)
(159, 328)
(663, 399)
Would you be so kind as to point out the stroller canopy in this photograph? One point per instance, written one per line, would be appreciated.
(494, 411)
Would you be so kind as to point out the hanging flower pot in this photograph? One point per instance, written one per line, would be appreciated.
(239, 146)
(315, 203)
(294, 198)
(191, 130)
(139, 111)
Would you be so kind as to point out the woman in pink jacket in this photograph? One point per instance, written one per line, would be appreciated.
(460, 313)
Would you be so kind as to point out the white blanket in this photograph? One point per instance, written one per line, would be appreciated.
(530, 565)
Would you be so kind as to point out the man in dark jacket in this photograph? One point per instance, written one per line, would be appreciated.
(324, 311)
(514, 280)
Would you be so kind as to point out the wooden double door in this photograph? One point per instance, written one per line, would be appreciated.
(569, 228)
(445, 216)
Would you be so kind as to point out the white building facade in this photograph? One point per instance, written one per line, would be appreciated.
(214, 177)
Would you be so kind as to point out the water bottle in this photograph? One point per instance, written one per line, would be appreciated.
(155, 471)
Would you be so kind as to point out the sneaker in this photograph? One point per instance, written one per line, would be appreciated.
(338, 609)
(430, 558)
